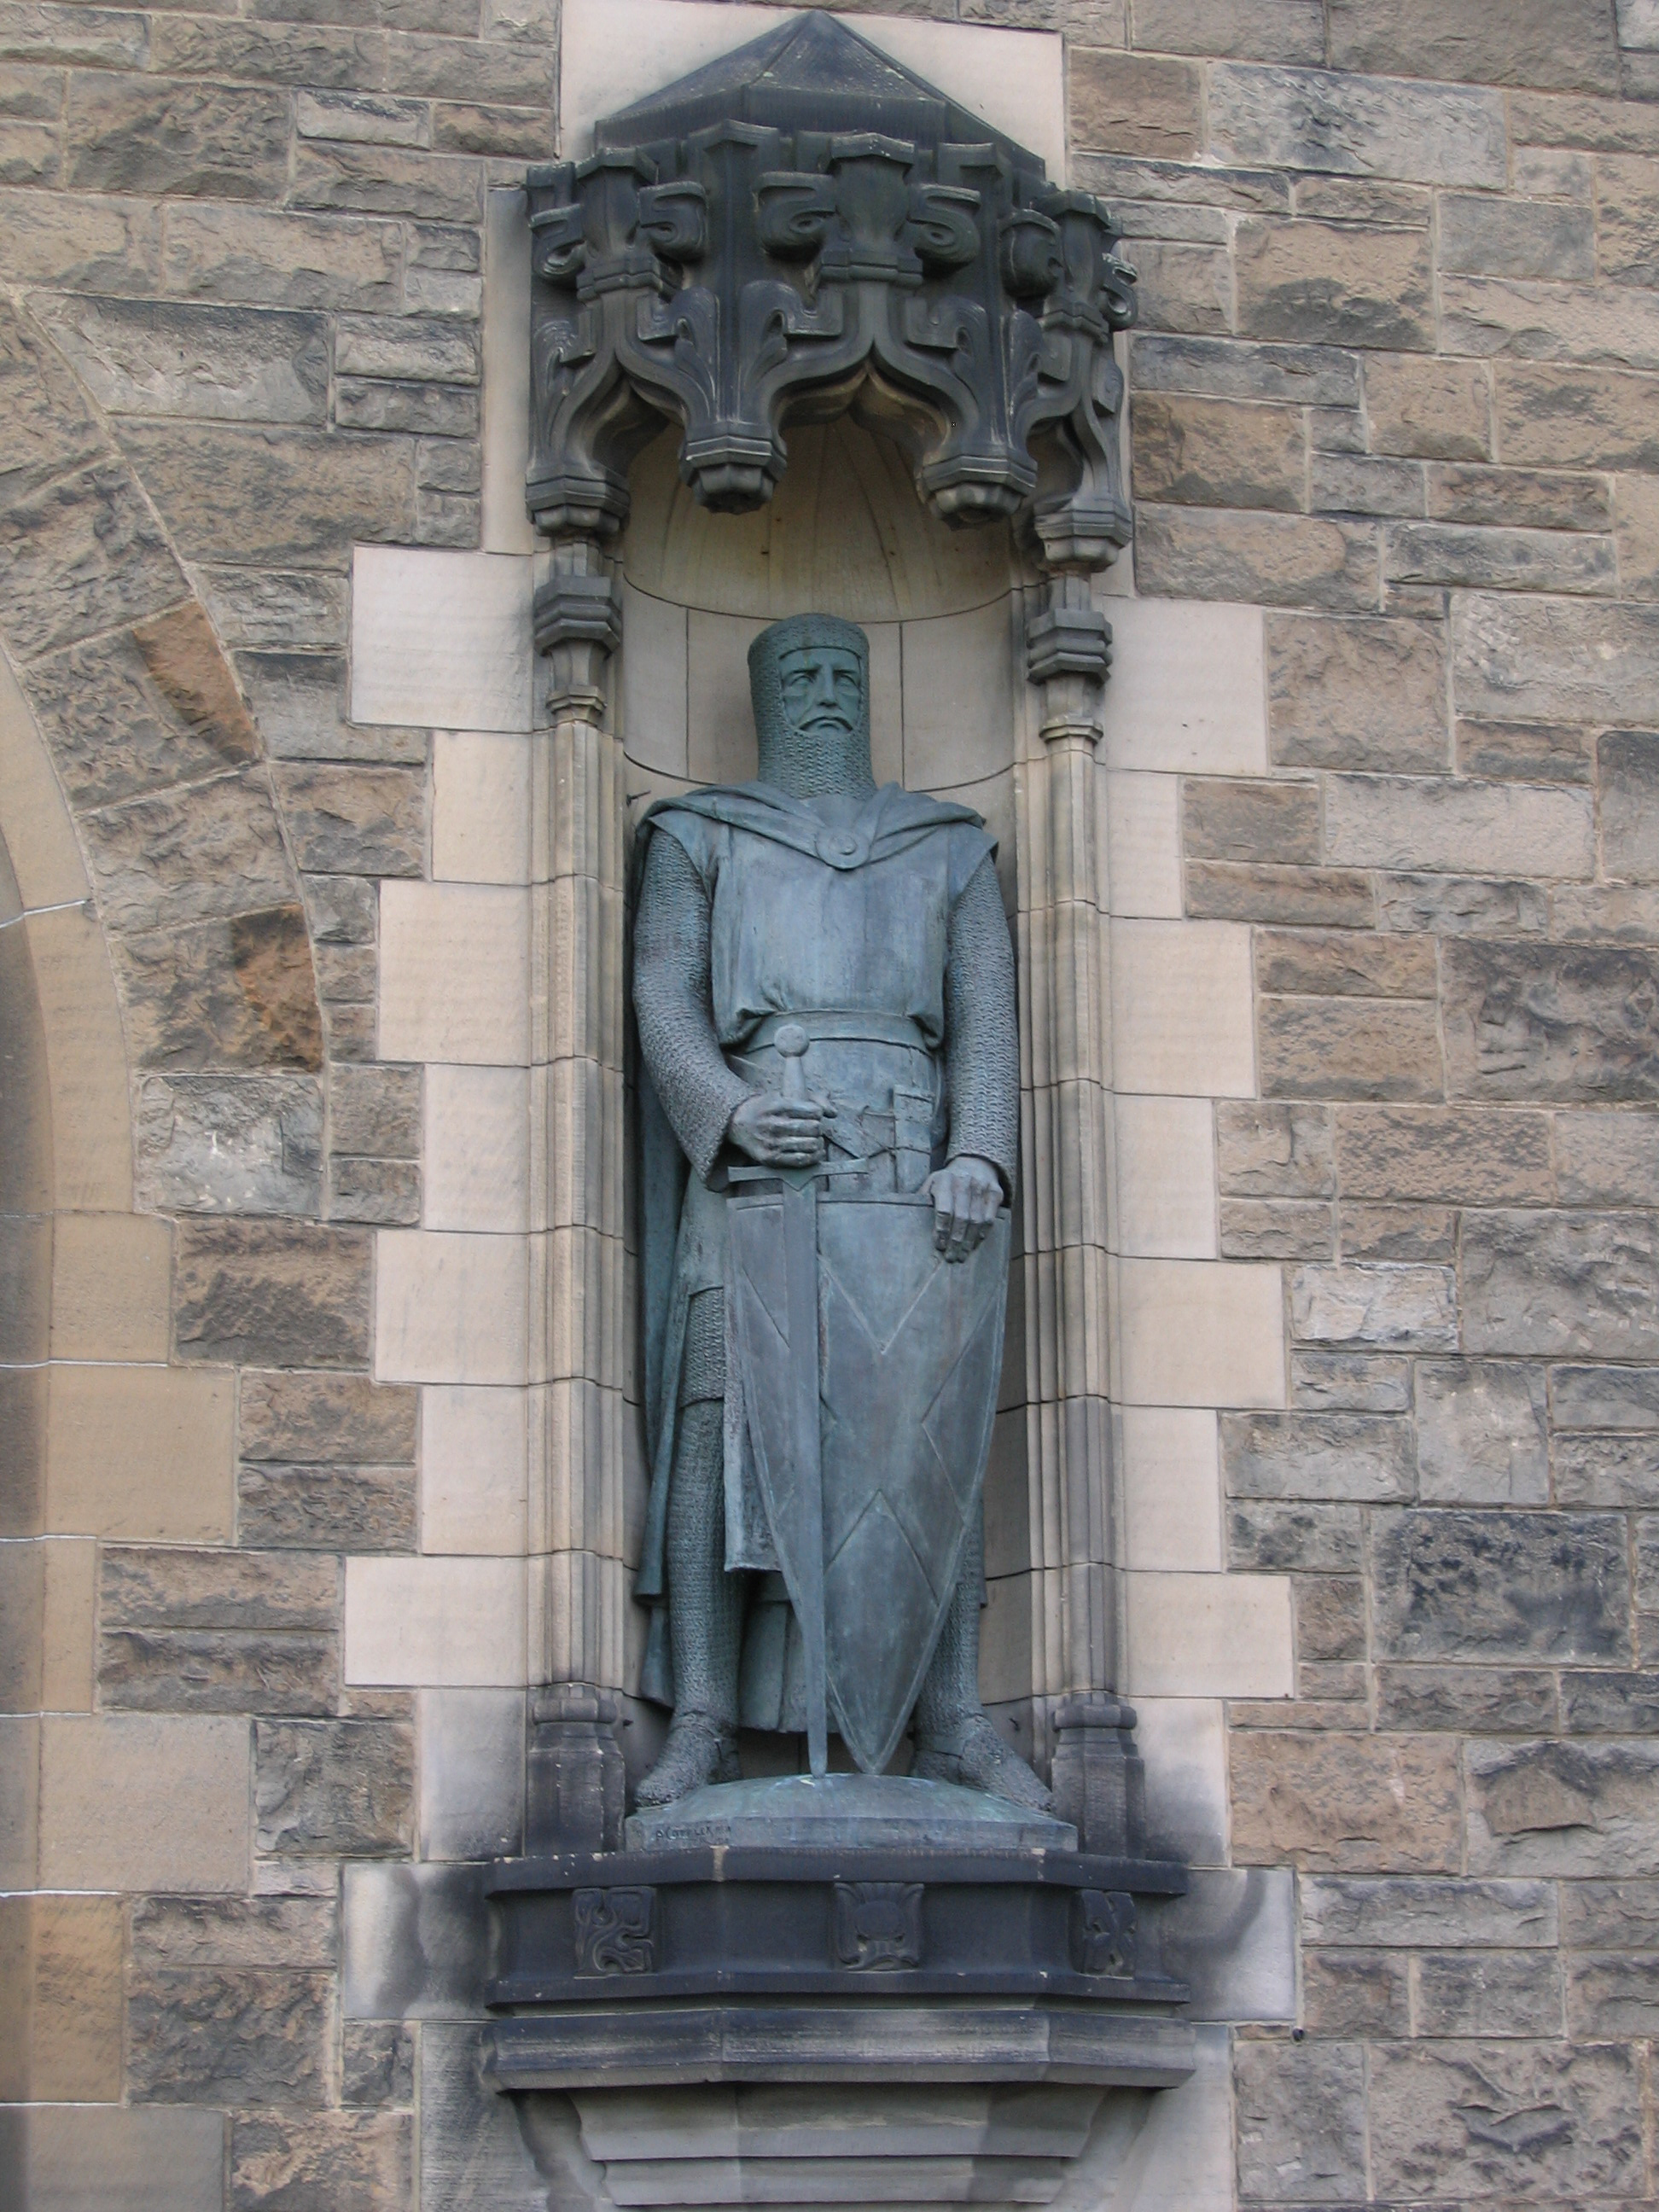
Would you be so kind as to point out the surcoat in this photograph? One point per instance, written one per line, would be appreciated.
(845, 926)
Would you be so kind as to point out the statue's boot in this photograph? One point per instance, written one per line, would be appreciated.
(699, 1749)
(705, 1615)
(956, 1740)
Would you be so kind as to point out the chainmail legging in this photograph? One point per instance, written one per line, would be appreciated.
(950, 1690)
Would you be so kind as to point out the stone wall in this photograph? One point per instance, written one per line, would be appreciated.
(1384, 949)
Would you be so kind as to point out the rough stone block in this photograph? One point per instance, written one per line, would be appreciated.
(217, 363)
(1627, 764)
(1362, 1457)
(333, 1789)
(1213, 452)
(1458, 1155)
(1273, 1151)
(1357, 694)
(1128, 104)
(1482, 1434)
(1506, 1585)
(377, 2063)
(126, 134)
(1561, 1284)
(1471, 906)
(1547, 499)
(1334, 1802)
(1272, 559)
(1308, 119)
(1508, 1993)
(1334, 284)
(1491, 237)
(181, 1783)
(235, 1931)
(1565, 416)
(1416, 1912)
(1605, 1398)
(1360, 1994)
(277, 1295)
(176, 856)
(282, 495)
(1277, 1229)
(1395, 822)
(1491, 1700)
(1350, 1381)
(142, 1453)
(230, 2035)
(1402, 1233)
(1555, 660)
(1250, 821)
(1341, 963)
(1611, 1998)
(1445, 553)
(386, 181)
(360, 2161)
(355, 821)
(1448, 2117)
(1300, 2121)
(322, 1417)
(1605, 1470)
(1568, 47)
(286, 258)
(208, 1143)
(83, 554)
(1386, 1309)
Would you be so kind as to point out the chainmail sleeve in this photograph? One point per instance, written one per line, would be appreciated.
(698, 1091)
(981, 1029)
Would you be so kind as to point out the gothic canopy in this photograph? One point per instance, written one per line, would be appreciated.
(803, 227)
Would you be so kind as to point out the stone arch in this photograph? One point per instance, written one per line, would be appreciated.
(159, 760)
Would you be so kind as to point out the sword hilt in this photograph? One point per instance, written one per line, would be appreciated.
(792, 1042)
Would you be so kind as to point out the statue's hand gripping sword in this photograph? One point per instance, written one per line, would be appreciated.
(800, 1187)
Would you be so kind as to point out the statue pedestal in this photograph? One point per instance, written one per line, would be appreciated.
(738, 2003)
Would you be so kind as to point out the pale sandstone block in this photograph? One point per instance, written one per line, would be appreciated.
(20, 1800)
(1166, 1200)
(476, 1151)
(1187, 691)
(481, 783)
(654, 682)
(75, 2016)
(180, 1785)
(1184, 1744)
(471, 1773)
(1171, 1487)
(455, 973)
(439, 639)
(109, 1286)
(506, 527)
(141, 1453)
(40, 835)
(145, 2158)
(1182, 1009)
(436, 1621)
(722, 724)
(1486, 829)
(1208, 1635)
(1143, 844)
(86, 1054)
(1200, 1333)
(613, 52)
(70, 1565)
(473, 1470)
(450, 1307)
(958, 697)
(1184, 2155)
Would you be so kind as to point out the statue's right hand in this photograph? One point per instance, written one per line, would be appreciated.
(779, 1132)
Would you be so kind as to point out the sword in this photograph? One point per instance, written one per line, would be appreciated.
(800, 1264)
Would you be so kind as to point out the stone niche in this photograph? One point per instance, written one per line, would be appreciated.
(807, 333)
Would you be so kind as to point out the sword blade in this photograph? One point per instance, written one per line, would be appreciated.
(800, 1257)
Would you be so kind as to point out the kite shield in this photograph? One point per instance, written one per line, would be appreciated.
(908, 1356)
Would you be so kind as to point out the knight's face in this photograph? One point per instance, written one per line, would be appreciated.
(822, 689)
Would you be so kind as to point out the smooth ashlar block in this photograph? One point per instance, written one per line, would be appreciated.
(1207, 1636)
(481, 806)
(1183, 1742)
(471, 1773)
(450, 1307)
(454, 973)
(1172, 1488)
(506, 527)
(141, 1453)
(959, 719)
(477, 1150)
(473, 1469)
(1187, 691)
(144, 1801)
(1181, 1012)
(436, 1621)
(1200, 1333)
(613, 52)
(654, 682)
(1143, 844)
(1166, 1199)
(440, 640)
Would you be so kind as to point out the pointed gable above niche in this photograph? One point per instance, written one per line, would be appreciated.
(806, 228)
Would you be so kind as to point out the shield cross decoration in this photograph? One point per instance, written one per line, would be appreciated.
(908, 1356)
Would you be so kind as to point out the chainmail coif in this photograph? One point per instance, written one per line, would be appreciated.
(808, 764)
